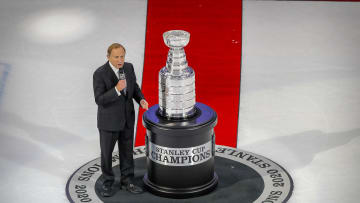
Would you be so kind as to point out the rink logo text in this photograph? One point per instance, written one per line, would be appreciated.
(278, 184)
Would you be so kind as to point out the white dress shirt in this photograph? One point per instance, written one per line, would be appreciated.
(117, 75)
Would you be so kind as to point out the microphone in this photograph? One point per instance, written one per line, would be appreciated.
(121, 74)
(122, 77)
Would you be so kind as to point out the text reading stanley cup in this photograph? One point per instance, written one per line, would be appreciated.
(180, 156)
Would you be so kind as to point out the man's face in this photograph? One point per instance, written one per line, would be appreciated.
(117, 57)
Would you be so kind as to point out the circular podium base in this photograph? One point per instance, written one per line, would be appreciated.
(180, 153)
(180, 192)
(243, 177)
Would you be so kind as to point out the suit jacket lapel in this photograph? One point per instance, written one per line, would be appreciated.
(114, 79)
(111, 73)
(128, 80)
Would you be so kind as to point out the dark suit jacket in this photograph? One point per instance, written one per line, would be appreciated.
(113, 110)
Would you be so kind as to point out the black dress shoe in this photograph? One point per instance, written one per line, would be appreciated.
(106, 191)
(132, 188)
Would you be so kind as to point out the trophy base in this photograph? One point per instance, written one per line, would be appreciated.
(180, 193)
(180, 153)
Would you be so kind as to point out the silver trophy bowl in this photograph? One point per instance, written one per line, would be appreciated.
(176, 79)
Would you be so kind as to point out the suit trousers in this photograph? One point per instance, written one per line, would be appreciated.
(125, 146)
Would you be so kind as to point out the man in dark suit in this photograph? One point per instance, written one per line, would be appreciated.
(115, 88)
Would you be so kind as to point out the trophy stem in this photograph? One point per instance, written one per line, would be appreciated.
(176, 60)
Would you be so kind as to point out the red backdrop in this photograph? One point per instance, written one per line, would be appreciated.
(214, 52)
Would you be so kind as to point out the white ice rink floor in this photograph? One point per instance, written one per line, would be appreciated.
(299, 106)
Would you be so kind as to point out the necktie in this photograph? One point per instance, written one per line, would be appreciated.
(122, 76)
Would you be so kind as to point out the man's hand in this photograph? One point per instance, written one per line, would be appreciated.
(121, 85)
(144, 104)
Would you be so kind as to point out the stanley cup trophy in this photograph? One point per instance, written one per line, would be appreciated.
(176, 79)
(180, 137)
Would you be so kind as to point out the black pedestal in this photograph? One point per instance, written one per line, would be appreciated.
(180, 153)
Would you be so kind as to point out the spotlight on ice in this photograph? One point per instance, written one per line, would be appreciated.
(58, 26)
